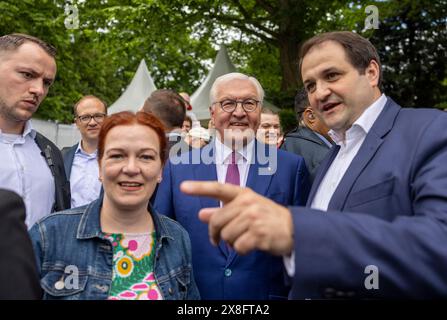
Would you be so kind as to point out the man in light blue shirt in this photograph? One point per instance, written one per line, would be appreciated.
(80, 160)
(30, 164)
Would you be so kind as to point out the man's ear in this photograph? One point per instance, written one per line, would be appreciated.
(211, 109)
(372, 71)
(308, 117)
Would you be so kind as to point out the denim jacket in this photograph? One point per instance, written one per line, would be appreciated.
(75, 260)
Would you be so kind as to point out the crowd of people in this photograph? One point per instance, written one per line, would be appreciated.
(153, 206)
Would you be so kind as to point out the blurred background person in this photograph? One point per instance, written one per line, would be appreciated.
(120, 247)
(187, 125)
(187, 100)
(189, 111)
(269, 130)
(168, 106)
(81, 160)
(197, 137)
(310, 138)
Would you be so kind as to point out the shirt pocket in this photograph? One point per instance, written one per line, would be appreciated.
(65, 286)
(375, 192)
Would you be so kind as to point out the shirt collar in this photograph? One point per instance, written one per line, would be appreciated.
(323, 138)
(364, 122)
(82, 151)
(27, 130)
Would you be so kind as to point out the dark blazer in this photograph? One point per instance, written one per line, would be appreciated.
(221, 274)
(389, 211)
(177, 145)
(68, 154)
(53, 158)
(304, 142)
(18, 270)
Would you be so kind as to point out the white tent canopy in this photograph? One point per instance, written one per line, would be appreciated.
(200, 100)
(136, 93)
(132, 99)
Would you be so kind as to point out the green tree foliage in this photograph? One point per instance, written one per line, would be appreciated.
(412, 42)
(264, 36)
(179, 40)
(288, 120)
(100, 57)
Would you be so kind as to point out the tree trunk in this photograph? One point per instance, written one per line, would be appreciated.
(288, 50)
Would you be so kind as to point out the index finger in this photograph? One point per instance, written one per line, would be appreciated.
(223, 192)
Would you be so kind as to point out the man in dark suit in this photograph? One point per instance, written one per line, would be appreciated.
(236, 157)
(310, 138)
(80, 160)
(375, 224)
(168, 106)
(18, 271)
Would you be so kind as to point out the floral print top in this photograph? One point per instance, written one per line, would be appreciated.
(133, 267)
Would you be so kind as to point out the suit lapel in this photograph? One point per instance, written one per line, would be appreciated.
(373, 140)
(256, 180)
(207, 172)
(68, 160)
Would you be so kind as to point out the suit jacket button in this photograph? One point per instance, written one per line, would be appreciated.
(228, 272)
(171, 292)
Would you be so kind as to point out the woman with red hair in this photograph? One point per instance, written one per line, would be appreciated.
(115, 247)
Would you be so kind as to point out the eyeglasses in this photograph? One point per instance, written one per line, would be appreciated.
(249, 105)
(98, 117)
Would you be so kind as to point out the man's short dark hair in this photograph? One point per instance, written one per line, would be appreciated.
(359, 50)
(168, 106)
(12, 41)
(301, 103)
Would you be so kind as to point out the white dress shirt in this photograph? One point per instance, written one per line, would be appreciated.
(244, 158)
(24, 170)
(349, 146)
(84, 178)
